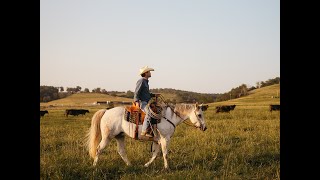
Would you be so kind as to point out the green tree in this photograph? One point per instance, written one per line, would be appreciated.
(96, 90)
(129, 94)
(86, 90)
(104, 91)
(78, 88)
(48, 93)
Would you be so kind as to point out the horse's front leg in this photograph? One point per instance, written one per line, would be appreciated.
(121, 149)
(165, 145)
(156, 147)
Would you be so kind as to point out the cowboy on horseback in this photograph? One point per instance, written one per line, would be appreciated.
(142, 96)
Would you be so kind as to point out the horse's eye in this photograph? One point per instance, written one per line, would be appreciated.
(199, 115)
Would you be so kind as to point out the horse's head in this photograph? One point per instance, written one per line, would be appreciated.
(197, 117)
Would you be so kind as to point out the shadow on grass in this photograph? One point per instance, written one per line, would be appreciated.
(265, 159)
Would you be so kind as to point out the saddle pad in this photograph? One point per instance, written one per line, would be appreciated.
(133, 113)
(133, 116)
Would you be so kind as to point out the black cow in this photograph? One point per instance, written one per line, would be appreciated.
(274, 107)
(42, 113)
(232, 107)
(226, 108)
(204, 107)
(76, 112)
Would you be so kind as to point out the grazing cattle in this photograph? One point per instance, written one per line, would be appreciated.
(226, 108)
(232, 107)
(42, 113)
(76, 112)
(204, 107)
(274, 107)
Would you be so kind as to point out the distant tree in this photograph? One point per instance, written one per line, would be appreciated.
(104, 91)
(86, 90)
(48, 93)
(258, 84)
(244, 90)
(129, 94)
(71, 90)
(61, 89)
(46, 99)
(271, 82)
(251, 88)
(96, 90)
(78, 88)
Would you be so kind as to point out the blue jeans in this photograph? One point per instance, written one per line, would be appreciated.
(143, 105)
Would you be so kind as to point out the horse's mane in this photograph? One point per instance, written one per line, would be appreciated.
(183, 108)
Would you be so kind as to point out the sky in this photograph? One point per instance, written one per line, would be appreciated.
(204, 46)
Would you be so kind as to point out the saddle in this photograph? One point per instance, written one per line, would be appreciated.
(135, 115)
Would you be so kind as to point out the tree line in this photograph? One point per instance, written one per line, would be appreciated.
(50, 93)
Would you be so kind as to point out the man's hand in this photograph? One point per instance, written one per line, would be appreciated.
(137, 103)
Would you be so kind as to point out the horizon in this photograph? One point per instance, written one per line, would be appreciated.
(82, 89)
(204, 47)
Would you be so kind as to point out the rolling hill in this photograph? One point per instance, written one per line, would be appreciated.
(84, 99)
(258, 97)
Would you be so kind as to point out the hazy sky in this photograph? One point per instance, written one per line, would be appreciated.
(205, 46)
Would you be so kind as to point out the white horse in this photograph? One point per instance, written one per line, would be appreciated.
(108, 124)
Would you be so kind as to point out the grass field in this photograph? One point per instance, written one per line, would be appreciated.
(242, 144)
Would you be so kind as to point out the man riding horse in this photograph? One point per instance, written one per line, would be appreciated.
(142, 96)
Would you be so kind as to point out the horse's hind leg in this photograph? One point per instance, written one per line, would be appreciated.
(156, 147)
(103, 143)
(121, 148)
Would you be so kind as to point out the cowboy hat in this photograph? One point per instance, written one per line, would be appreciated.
(145, 69)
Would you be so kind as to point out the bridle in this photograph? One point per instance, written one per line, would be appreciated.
(184, 120)
(192, 124)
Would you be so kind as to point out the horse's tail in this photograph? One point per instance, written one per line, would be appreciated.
(94, 134)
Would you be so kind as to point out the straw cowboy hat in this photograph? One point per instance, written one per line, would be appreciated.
(145, 69)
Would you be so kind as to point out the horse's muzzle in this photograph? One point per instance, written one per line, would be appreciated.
(203, 128)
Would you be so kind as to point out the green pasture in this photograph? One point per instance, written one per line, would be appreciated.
(242, 144)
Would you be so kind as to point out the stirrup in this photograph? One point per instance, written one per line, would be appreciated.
(148, 135)
(143, 133)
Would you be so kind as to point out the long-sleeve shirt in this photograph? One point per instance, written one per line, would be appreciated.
(142, 91)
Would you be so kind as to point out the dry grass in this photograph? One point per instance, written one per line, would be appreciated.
(243, 144)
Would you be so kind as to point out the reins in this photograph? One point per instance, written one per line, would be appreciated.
(190, 124)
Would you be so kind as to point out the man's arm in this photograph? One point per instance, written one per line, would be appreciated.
(137, 91)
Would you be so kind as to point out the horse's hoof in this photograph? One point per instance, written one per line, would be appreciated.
(166, 169)
(94, 164)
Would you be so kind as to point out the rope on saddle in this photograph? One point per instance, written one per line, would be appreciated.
(154, 108)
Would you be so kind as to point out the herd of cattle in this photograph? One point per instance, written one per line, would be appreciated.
(74, 112)
(228, 108)
(223, 108)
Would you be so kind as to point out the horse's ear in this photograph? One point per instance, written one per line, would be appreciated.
(197, 105)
